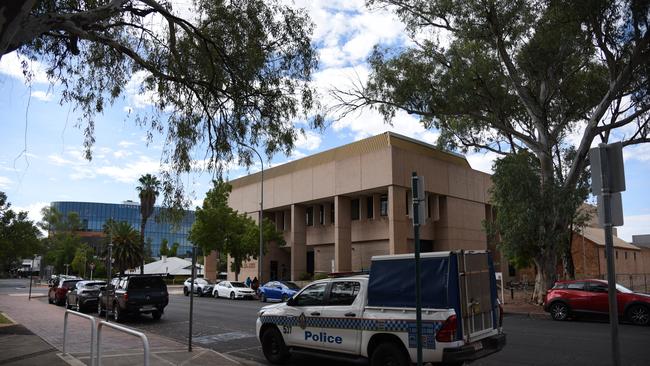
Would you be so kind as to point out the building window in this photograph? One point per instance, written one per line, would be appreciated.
(383, 205)
(625, 255)
(309, 216)
(332, 213)
(407, 203)
(635, 256)
(321, 214)
(617, 254)
(354, 209)
(369, 208)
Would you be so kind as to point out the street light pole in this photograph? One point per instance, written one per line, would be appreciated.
(261, 216)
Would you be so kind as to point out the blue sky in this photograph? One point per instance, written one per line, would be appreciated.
(41, 149)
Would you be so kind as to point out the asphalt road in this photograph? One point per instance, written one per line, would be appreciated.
(228, 326)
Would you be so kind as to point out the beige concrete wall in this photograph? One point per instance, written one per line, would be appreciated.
(460, 225)
(623, 264)
(323, 256)
(362, 253)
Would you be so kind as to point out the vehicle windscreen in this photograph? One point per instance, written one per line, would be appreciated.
(70, 284)
(141, 283)
(201, 281)
(623, 289)
(291, 285)
(237, 284)
(94, 284)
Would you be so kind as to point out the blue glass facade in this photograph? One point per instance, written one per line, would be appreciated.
(94, 215)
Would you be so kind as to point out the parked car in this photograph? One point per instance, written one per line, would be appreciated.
(134, 295)
(233, 290)
(569, 298)
(277, 290)
(201, 287)
(58, 291)
(84, 295)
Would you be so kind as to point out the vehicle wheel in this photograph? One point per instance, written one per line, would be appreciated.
(639, 314)
(273, 346)
(185, 292)
(559, 311)
(216, 294)
(156, 315)
(285, 298)
(117, 313)
(262, 297)
(232, 296)
(100, 312)
(200, 292)
(49, 300)
(389, 354)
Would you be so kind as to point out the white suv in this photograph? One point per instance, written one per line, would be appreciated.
(201, 287)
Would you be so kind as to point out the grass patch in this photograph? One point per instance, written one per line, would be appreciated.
(4, 320)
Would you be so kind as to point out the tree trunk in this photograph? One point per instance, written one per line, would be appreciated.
(142, 226)
(545, 277)
(567, 257)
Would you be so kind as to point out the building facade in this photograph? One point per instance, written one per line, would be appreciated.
(340, 207)
(94, 215)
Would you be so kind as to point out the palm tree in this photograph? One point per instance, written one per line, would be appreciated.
(148, 190)
(126, 248)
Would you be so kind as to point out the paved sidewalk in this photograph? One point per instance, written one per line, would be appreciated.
(522, 305)
(22, 347)
(46, 321)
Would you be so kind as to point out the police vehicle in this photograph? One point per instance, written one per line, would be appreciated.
(373, 316)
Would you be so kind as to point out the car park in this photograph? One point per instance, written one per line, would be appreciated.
(233, 290)
(360, 318)
(84, 295)
(202, 287)
(590, 296)
(277, 291)
(58, 291)
(134, 295)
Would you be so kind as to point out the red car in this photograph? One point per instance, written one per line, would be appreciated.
(589, 296)
(58, 292)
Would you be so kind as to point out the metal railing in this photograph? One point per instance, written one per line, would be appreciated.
(93, 332)
(145, 341)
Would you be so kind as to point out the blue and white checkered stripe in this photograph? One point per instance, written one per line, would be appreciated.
(389, 325)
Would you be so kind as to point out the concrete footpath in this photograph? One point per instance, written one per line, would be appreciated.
(37, 338)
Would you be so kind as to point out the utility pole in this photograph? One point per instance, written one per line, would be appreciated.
(189, 344)
(109, 274)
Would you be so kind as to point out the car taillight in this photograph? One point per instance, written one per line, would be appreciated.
(448, 331)
(126, 296)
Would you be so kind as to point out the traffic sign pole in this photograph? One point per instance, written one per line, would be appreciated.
(416, 188)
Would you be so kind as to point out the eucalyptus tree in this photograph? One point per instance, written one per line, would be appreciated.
(545, 76)
(219, 72)
(148, 191)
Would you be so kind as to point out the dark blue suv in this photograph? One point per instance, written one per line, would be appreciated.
(277, 290)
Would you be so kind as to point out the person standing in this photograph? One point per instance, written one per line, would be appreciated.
(248, 281)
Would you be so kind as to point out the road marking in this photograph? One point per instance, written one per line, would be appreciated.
(26, 294)
(223, 337)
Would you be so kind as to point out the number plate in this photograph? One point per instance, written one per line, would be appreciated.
(147, 308)
(478, 346)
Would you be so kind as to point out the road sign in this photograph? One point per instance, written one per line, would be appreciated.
(419, 201)
(607, 170)
(617, 210)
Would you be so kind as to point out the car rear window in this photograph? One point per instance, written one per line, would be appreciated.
(70, 284)
(94, 284)
(291, 285)
(140, 283)
(237, 284)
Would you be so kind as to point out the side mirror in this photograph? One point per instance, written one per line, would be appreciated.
(291, 302)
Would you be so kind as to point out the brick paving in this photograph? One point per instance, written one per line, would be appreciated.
(46, 321)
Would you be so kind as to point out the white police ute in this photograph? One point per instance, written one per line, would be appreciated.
(373, 316)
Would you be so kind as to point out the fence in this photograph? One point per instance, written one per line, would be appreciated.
(635, 282)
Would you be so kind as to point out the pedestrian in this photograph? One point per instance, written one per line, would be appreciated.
(255, 284)
(248, 281)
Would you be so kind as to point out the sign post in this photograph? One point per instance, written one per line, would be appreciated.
(608, 179)
(417, 188)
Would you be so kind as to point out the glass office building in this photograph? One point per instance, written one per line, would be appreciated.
(94, 215)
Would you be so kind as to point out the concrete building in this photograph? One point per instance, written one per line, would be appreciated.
(340, 207)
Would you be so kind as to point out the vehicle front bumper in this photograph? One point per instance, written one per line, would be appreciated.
(473, 351)
(239, 295)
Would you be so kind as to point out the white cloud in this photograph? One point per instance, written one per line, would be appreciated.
(137, 98)
(33, 210)
(125, 144)
(639, 152)
(308, 141)
(5, 182)
(129, 172)
(10, 64)
(634, 225)
(122, 154)
(41, 95)
(482, 161)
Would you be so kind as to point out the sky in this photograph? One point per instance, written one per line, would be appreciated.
(41, 147)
